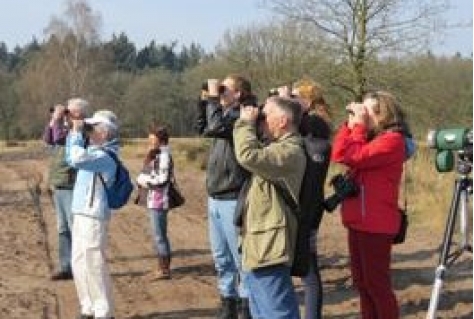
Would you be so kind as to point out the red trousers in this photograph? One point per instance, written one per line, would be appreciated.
(370, 267)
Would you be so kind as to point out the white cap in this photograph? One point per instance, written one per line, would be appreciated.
(103, 117)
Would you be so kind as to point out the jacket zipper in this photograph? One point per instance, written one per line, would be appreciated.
(92, 194)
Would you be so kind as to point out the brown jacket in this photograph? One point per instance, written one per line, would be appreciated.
(269, 229)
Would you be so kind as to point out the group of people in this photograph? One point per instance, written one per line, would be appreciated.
(256, 151)
(81, 169)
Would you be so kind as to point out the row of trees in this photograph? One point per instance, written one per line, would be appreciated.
(348, 46)
(121, 52)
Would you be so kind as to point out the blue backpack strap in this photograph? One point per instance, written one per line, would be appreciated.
(114, 157)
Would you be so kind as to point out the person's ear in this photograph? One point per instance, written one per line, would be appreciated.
(283, 122)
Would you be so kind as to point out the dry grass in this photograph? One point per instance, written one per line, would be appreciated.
(12, 146)
(186, 151)
(428, 192)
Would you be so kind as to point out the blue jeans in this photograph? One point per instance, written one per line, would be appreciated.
(63, 205)
(224, 246)
(271, 293)
(159, 225)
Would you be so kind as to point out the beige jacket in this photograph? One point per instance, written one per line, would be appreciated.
(269, 229)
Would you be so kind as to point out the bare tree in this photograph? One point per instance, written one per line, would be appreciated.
(360, 30)
(274, 54)
(76, 34)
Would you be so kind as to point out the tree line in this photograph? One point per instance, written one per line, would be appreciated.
(161, 81)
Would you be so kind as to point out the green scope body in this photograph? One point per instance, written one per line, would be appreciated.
(448, 139)
(445, 141)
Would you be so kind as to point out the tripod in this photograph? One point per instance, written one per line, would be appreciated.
(459, 204)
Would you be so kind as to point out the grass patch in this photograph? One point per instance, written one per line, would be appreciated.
(13, 146)
(186, 151)
(428, 192)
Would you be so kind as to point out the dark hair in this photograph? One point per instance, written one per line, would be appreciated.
(160, 132)
(150, 156)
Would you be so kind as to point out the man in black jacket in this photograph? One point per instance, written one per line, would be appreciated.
(225, 178)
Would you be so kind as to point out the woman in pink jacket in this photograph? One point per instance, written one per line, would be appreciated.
(155, 178)
(372, 145)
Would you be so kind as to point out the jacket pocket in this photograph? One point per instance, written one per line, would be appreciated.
(265, 211)
(352, 210)
(266, 247)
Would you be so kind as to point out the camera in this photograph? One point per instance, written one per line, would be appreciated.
(261, 116)
(248, 100)
(275, 92)
(446, 141)
(344, 187)
(52, 109)
(87, 128)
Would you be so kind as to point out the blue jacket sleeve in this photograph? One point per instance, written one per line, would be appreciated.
(90, 159)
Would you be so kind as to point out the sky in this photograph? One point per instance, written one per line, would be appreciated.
(187, 21)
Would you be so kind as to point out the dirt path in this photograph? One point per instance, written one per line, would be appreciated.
(26, 292)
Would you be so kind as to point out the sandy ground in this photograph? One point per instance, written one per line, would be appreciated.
(28, 253)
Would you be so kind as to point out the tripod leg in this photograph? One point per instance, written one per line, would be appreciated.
(442, 266)
(463, 217)
(438, 284)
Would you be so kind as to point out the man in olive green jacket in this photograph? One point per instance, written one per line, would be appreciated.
(269, 226)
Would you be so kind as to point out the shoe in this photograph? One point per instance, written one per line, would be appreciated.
(81, 316)
(163, 272)
(228, 308)
(158, 274)
(62, 275)
(244, 309)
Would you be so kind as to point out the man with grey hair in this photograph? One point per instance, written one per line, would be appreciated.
(91, 211)
(77, 108)
(269, 227)
(61, 179)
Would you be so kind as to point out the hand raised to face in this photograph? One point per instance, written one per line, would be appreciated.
(249, 113)
(357, 114)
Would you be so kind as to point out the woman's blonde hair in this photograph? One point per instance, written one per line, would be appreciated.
(313, 92)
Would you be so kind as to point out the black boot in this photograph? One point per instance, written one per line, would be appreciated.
(244, 310)
(229, 308)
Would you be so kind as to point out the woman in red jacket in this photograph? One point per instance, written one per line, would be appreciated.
(372, 145)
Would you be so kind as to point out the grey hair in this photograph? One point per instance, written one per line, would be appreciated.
(111, 132)
(291, 107)
(78, 104)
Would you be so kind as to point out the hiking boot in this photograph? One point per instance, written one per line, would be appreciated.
(229, 308)
(62, 275)
(163, 272)
(244, 309)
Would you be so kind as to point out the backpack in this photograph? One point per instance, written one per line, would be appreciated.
(119, 192)
(309, 209)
